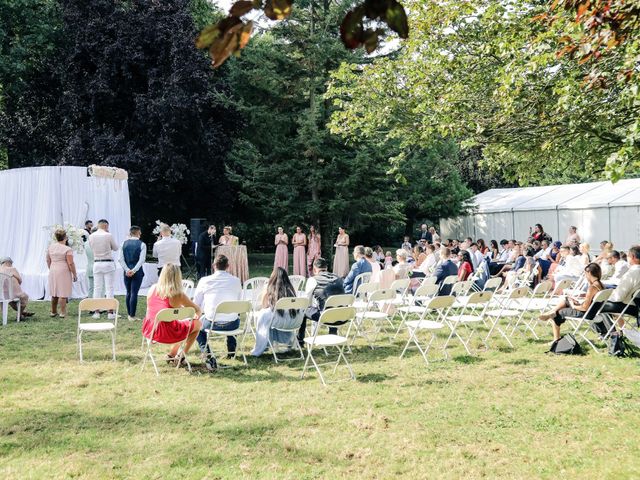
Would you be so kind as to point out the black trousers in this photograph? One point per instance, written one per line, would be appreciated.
(203, 268)
(312, 314)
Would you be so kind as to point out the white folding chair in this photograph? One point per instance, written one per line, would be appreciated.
(417, 302)
(492, 284)
(430, 280)
(432, 320)
(360, 279)
(251, 291)
(620, 321)
(582, 326)
(97, 304)
(341, 300)
(375, 314)
(169, 315)
(309, 287)
(297, 281)
(531, 306)
(450, 280)
(332, 317)
(508, 310)
(7, 296)
(188, 287)
(289, 303)
(363, 293)
(469, 318)
(241, 308)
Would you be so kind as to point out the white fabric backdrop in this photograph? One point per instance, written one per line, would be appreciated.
(36, 197)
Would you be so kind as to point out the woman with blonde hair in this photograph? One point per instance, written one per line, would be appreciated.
(168, 293)
(62, 273)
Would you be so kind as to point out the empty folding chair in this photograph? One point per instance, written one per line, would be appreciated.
(360, 279)
(97, 304)
(472, 315)
(188, 287)
(297, 281)
(432, 320)
(582, 325)
(430, 280)
(252, 290)
(531, 306)
(375, 315)
(417, 303)
(447, 284)
(168, 315)
(242, 309)
(492, 284)
(337, 317)
(289, 303)
(363, 293)
(507, 310)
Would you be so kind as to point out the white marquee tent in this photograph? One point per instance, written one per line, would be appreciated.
(600, 210)
(34, 198)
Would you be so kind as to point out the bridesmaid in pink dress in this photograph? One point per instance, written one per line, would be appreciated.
(282, 251)
(62, 273)
(313, 250)
(299, 241)
(341, 258)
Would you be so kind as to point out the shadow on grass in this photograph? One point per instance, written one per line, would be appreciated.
(520, 361)
(374, 377)
(467, 359)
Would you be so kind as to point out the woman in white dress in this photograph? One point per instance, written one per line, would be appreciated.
(278, 287)
(341, 257)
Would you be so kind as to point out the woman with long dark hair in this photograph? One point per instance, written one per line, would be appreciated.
(494, 251)
(279, 286)
(465, 270)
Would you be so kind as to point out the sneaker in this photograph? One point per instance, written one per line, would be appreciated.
(95, 316)
(211, 364)
(111, 316)
(131, 319)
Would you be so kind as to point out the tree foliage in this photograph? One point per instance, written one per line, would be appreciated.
(488, 75)
(125, 87)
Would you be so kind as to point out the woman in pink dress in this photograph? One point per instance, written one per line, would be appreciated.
(282, 251)
(299, 241)
(341, 257)
(313, 247)
(168, 293)
(62, 273)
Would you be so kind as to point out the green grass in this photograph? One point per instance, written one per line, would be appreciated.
(505, 413)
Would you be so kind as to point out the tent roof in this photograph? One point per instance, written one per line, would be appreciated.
(571, 196)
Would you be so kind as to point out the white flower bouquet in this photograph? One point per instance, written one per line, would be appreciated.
(179, 231)
(75, 235)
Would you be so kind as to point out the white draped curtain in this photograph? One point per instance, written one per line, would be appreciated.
(34, 198)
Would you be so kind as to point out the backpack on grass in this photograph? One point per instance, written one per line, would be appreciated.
(567, 345)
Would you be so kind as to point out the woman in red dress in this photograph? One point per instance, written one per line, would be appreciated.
(465, 270)
(167, 293)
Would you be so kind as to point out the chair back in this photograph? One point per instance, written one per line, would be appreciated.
(543, 289)
(255, 283)
(428, 290)
(479, 298)
(599, 299)
(169, 315)
(188, 287)
(241, 307)
(519, 292)
(297, 281)
(382, 295)
(360, 279)
(400, 285)
(450, 280)
(93, 304)
(430, 280)
(492, 284)
(366, 289)
(292, 303)
(6, 288)
(439, 303)
(461, 288)
(337, 316)
(561, 286)
(336, 301)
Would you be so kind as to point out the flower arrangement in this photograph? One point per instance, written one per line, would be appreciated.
(108, 172)
(179, 231)
(75, 235)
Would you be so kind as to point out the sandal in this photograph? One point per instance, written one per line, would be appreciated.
(53, 315)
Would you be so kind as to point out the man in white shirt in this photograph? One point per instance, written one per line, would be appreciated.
(620, 267)
(104, 268)
(476, 255)
(629, 284)
(210, 292)
(167, 249)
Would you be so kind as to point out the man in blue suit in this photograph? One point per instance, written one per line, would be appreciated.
(446, 268)
(361, 265)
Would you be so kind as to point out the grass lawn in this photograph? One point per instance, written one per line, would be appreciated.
(505, 413)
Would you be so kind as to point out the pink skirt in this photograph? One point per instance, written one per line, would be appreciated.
(167, 332)
(282, 257)
(299, 261)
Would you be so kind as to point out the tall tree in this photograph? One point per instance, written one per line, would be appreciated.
(129, 89)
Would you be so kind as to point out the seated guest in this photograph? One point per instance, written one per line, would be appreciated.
(167, 249)
(388, 260)
(516, 261)
(361, 265)
(369, 255)
(378, 254)
(428, 265)
(494, 251)
(455, 247)
(476, 255)
(619, 267)
(6, 267)
(573, 238)
(327, 284)
(574, 307)
(167, 293)
(279, 286)
(572, 265)
(418, 255)
(406, 245)
(605, 249)
(401, 268)
(585, 256)
(465, 269)
(628, 285)
(444, 270)
(482, 247)
(210, 292)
